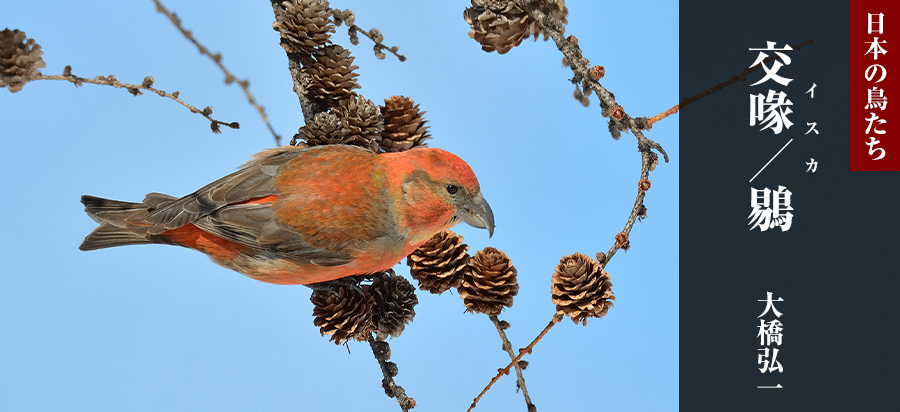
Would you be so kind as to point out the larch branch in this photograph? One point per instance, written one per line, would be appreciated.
(134, 89)
(382, 352)
(508, 348)
(217, 59)
(522, 352)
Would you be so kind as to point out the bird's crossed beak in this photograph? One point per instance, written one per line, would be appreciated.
(477, 213)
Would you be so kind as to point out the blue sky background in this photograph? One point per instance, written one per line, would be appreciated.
(152, 328)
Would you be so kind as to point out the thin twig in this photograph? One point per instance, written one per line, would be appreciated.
(508, 348)
(378, 45)
(522, 352)
(382, 352)
(347, 17)
(734, 79)
(635, 211)
(217, 59)
(134, 89)
(662, 115)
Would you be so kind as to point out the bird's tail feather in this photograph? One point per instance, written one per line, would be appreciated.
(113, 229)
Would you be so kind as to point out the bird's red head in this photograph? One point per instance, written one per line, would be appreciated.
(439, 183)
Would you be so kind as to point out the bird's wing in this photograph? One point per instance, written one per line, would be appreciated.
(255, 226)
(254, 180)
(226, 208)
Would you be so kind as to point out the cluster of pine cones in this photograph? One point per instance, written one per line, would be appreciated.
(486, 282)
(345, 117)
(347, 311)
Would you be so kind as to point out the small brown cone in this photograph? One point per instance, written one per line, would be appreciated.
(580, 289)
(324, 128)
(304, 25)
(363, 120)
(395, 302)
(500, 25)
(497, 25)
(344, 313)
(19, 56)
(404, 125)
(440, 263)
(490, 283)
(332, 76)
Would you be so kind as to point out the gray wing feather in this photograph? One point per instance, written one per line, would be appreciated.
(254, 180)
(254, 226)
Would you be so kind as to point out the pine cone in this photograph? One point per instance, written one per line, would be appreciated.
(363, 120)
(332, 76)
(324, 128)
(18, 57)
(580, 289)
(497, 25)
(500, 25)
(335, 128)
(344, 313)
(404, 125)
(395, 302)
(490, 283)
(304, 25)
(440, 263)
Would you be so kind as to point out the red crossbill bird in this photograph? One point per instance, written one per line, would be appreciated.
(305, 215)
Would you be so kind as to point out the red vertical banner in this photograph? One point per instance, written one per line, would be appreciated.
(874, 131)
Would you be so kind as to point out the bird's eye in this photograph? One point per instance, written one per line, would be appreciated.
(452, 189)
